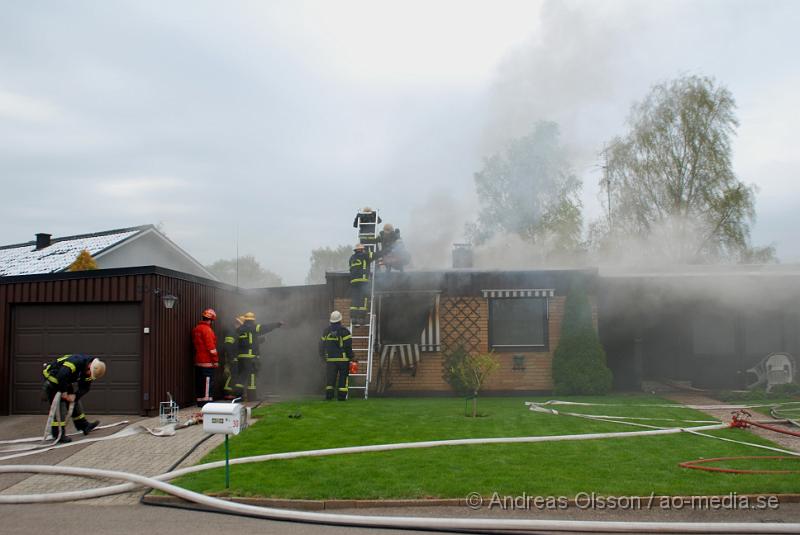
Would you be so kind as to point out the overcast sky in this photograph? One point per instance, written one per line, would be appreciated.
(282, 118)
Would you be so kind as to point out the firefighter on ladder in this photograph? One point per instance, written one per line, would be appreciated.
(336, 347)
(366, 222)
(59, 376)
(250, 335)
(230, 363)
(206, 358)
(359, 284)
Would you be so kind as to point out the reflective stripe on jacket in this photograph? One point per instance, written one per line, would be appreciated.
(336, 343)
(359, 266)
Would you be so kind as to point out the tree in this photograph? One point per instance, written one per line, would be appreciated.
(579, 362)
(250, 273)
(669, 183)
(467, 372)
(530, 190)
(84, 262)
(327, 259)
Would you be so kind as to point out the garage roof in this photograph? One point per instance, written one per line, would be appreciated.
(26, 259)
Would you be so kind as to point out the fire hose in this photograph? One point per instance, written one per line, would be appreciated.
(482, 524)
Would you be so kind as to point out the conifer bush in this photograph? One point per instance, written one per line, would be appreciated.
(579, 362)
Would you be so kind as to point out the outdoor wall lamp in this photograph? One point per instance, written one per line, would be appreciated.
(169, 301)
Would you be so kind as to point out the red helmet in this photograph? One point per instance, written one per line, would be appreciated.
(209, 314)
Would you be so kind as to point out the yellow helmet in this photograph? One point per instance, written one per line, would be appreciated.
(249, 316)
(388, 227)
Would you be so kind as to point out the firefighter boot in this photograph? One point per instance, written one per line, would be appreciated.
(89, 426)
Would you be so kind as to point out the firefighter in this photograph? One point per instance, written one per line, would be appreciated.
(365, 222)
(59, 376)
(393, 255)
(249, 336)
(359, 283)
(206, 358)
(336, 347)
(230, 363)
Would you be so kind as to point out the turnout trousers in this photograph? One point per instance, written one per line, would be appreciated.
(204, 384)
(59, 425)
(246, 379)
(337, 372)
(359, 300)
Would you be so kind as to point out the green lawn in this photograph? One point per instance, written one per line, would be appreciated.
(624, 466)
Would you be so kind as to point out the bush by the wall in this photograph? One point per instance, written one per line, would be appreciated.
(579, 362)
(453, 360)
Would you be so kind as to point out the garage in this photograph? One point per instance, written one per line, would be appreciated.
(110, 331)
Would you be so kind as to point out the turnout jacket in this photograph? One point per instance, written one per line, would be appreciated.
(205, 345)
(336, 343)
(250, 335)
(69, 369)
(359, 266)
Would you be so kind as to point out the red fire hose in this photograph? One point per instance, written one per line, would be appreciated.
(741, 419)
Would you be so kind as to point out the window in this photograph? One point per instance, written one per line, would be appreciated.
(518, 323)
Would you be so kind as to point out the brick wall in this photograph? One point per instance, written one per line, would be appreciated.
(466, 320)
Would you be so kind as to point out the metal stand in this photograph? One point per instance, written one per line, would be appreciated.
(227, 465)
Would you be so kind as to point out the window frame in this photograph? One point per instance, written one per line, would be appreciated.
(540, 348)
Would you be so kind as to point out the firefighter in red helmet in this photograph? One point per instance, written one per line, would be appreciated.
(206, 358)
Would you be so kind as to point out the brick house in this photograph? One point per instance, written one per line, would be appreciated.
(423, 315)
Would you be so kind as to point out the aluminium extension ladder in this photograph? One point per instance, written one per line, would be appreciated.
(364, 339)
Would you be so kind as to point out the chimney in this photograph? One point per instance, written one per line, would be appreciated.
(42, 240)
(462, 255)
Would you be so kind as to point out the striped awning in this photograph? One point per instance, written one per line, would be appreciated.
(408, 353)
(431, 338)
(534, 292)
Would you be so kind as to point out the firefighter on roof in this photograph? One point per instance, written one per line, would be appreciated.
(206, 358)
(359, 283)
(59, 377)
(336, 347)
(250, 335)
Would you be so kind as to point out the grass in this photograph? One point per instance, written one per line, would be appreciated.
(623, 466)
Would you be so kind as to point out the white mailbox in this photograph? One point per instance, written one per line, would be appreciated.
(226, 418)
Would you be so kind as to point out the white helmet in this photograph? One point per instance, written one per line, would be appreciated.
(97, 368)
(336, 316)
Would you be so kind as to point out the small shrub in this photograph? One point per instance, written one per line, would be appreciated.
(579, 362)
(468, 372)
(453, 360)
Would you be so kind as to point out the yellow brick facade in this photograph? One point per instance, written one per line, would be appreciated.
(466, 320)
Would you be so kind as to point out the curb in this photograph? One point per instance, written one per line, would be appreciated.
(322, 505)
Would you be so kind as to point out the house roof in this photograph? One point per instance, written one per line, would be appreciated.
(25, 259)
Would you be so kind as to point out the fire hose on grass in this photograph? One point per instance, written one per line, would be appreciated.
(159, 483)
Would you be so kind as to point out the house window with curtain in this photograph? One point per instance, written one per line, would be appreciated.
(518, 320)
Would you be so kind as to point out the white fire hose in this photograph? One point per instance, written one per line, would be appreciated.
(478, 524)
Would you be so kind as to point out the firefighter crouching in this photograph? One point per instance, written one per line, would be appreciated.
(250, 335)
(206, 358)
(336, 347)
(59, 377)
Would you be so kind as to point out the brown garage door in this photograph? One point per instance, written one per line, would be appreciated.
(43, 333)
